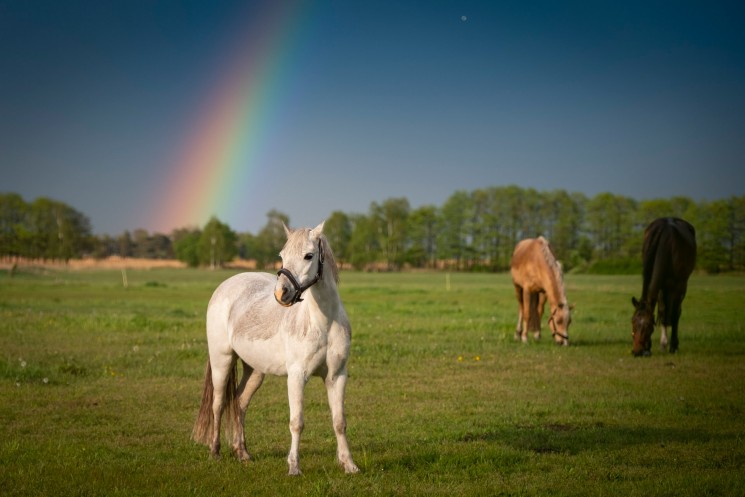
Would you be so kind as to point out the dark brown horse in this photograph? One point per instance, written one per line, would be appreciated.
(668, 255)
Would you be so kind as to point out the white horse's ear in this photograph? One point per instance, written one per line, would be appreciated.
(287, 230)
(316, 232)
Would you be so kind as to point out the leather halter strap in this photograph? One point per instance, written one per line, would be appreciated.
(299, 289)
(553, 331)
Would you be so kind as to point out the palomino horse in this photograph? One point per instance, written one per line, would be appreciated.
(669, 256)
(537, 277)
(264, 321)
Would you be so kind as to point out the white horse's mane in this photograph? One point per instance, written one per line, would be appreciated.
(329, 259)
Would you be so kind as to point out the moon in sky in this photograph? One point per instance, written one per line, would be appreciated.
(463, 18)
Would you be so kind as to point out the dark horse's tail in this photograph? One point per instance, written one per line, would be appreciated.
(204, 425)
(534, 318)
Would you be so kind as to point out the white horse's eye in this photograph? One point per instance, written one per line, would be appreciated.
(308, 256)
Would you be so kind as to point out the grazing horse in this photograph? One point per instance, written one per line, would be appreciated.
(668, 256)
(537, 277)
(264, 322)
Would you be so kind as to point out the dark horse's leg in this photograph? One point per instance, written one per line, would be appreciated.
(675, 313)
(674, 333)
(664, 306)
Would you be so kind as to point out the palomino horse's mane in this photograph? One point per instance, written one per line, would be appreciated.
(555, 266)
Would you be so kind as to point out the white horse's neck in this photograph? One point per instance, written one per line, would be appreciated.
(322, 300)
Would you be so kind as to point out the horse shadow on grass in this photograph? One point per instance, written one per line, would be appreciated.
(572, 440)
(510, 447)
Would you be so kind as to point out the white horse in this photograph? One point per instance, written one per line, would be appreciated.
(264, 321)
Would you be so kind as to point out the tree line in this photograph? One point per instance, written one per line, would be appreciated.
(472, 231)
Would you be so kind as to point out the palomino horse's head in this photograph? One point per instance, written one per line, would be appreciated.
(561, 318)
(642, 326)
(302, 264)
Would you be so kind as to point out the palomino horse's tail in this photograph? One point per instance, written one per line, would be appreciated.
(204, 425)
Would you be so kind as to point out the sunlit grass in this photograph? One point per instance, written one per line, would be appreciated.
(99, 386)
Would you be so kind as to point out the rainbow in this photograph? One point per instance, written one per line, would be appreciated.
(217, 165)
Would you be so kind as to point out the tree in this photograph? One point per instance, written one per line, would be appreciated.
(563, 215)
(611, 226)
(514, 213)
(712, 235)
(422, 235)
(391, 219)
(57, 231)
(737, 230)
(14, 233)
(271, 238)
(338, 231)
(247, 246)
(452, 243)
(103, 246)
(363, 244)
(186, 245)
(477, 232)
(141, 244)
(217, 244)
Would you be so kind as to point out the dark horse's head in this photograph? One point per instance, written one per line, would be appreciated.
(642, 326)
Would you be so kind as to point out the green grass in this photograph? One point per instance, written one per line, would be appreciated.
(99, 387)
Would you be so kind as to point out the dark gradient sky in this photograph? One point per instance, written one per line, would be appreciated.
(379, 100)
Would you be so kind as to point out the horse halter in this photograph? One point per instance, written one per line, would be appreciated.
(299, 289)
(554, 332)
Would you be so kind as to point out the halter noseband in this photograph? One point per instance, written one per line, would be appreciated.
(299, 289)
(553, 331)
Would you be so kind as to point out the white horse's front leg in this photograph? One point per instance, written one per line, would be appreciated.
(295, 389)
(335, 387)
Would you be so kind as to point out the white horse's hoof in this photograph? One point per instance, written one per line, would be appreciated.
(348, 464)
(294, 468)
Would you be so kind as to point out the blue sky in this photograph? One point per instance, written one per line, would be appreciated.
(379, 99)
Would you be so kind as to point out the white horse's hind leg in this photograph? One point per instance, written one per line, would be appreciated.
(250, 383)
(335, 387)
(220, 374)
(295, 390)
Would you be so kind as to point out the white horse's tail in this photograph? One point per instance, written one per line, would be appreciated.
(204, 425)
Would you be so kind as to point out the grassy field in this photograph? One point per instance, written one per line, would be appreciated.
(99, 387)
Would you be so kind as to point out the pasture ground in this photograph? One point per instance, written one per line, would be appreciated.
(99, 387)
